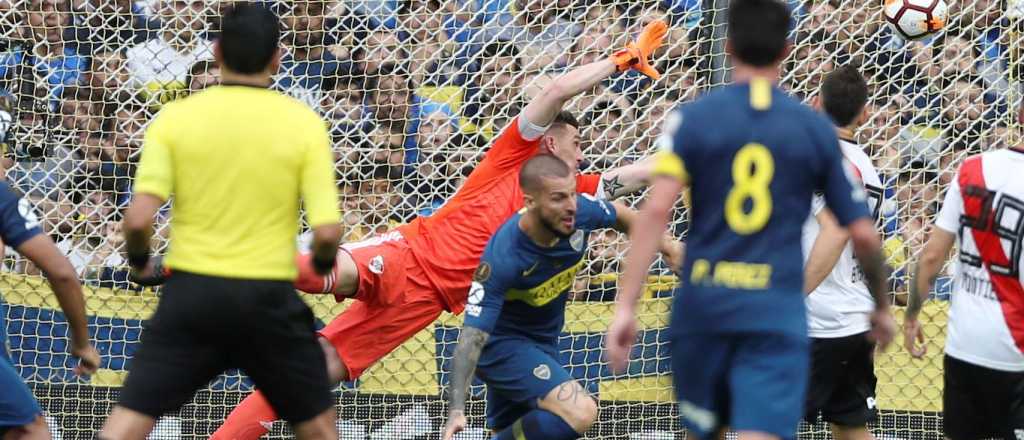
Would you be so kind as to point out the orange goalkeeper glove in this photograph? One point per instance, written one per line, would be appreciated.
(637, 53)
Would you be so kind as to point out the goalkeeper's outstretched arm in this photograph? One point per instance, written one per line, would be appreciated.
(541, 111)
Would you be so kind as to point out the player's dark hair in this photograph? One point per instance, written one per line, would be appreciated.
(758, 31)
(844, 92)
(541, 166)
(565, 117)
(249, 35)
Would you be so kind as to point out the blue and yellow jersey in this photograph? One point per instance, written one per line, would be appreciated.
(520, 288)
(753, 157)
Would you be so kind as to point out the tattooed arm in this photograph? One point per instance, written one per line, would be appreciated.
(927, 268)
(467, 353)
(627, 179)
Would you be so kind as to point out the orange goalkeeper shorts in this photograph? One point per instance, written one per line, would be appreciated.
(394, 301)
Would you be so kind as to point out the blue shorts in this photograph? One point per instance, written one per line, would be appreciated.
(744, 381)
(518, 373)
(17, 406)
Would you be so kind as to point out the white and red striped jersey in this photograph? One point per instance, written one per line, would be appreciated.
(984, 207)
(841, 305)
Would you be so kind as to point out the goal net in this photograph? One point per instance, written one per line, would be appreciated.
(413, 92)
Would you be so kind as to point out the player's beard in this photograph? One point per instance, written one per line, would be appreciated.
(553, 228)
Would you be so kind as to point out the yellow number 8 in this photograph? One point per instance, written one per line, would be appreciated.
(752, 172)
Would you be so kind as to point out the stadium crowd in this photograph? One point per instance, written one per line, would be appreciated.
(413, 91)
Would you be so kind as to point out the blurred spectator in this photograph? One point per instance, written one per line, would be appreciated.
(392, 110)
(537, 29)
(492, 93)
(107, 74)
(376, 202)
(159, 65)
(128, 124)
(380, 47)
(112, 24)
(812, 58)
(201, 75)
(307, 62)
(95, 243)
(52, 61)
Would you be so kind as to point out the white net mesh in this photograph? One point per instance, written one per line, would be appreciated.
(414, 90)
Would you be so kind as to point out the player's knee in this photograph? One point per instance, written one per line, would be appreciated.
(579, 412)
(581, 415)
(336, 369)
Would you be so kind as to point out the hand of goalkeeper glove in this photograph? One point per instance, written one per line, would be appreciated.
(637, 53)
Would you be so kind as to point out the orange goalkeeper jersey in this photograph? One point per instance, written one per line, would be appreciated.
(449, 243)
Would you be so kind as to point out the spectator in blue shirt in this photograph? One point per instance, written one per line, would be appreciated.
(307, 62)
(53, 63)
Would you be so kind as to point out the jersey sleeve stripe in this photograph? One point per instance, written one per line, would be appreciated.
(669, 164)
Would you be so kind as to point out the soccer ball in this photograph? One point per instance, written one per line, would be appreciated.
(916, 19)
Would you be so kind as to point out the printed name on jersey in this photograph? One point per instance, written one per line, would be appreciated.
(548, 290)
(731, 275)
(476, 296)
(483, 272)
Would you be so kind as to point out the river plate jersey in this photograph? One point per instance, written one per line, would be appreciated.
(753, 157)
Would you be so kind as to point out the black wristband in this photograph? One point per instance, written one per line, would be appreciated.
(138, 261)
(322, 266)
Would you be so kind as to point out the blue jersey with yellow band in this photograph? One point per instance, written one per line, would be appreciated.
(753, 158)
(520, 288)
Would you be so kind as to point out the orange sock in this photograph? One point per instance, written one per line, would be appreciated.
(248, 421)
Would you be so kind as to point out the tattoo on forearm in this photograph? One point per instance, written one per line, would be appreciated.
(876, 274)
(467, 354)
(568, 392)
(612, 186)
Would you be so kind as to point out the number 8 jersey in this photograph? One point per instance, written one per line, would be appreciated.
(753, 157)
(984, 208)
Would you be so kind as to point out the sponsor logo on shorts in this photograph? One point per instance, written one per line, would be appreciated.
(704, 420)
(377, 264)
(871, 403)
(476, 295)
(543, 372)
(576, 240)
(483, 272)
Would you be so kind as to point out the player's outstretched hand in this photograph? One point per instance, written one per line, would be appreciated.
(637, 53)
(883, 328)
(455, 424)
(619, 341)
(913, 333)
(88, 358)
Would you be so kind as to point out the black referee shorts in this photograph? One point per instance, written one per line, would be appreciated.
(842, 384)
(980, 402)
(204, 325)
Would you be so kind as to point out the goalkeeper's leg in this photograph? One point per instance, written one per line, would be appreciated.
(254, 416)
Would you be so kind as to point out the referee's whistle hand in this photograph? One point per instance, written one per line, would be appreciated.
(88, 359)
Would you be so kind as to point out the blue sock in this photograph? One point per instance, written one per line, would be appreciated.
(538, 425)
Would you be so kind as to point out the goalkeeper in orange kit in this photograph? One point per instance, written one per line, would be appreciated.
(404, 278)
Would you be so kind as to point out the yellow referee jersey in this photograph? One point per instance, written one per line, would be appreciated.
(237, 160)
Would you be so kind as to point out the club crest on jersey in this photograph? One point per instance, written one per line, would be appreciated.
(377, 264)
(543, 372)
(483, 272)
(576, 240)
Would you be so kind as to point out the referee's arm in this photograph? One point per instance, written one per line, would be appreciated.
(153, 183)
(320, 197)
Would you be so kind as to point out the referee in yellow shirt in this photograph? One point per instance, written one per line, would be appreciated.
(237, 158)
